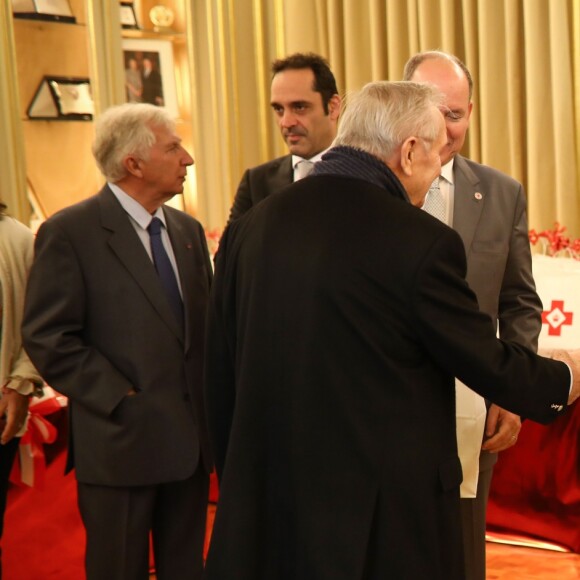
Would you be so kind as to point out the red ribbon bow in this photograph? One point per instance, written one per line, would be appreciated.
(30, 466)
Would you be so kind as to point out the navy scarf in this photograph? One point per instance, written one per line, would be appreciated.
(352, 162)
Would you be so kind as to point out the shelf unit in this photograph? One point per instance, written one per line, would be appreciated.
(49, 164)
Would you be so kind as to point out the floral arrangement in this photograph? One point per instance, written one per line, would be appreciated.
(555, 243)
(552, 242)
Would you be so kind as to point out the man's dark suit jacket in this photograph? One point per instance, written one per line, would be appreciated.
(338, 320)
(259, 182)
(98, 324)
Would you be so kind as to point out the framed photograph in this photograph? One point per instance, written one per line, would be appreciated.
(149, 73)
(128, 18)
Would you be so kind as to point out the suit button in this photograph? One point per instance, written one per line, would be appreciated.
(186, 396)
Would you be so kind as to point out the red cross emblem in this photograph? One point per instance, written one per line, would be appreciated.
(556, 317)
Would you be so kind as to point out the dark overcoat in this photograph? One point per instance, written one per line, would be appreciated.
(338, 319)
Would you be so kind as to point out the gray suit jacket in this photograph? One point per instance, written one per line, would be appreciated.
(494, 230)
(98, 324)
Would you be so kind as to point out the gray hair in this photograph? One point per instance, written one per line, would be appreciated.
(383, 114)
(126, 130)
(415, 61)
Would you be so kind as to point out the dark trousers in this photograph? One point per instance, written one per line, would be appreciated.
(473, 514)
(118, 521)
(7, 454)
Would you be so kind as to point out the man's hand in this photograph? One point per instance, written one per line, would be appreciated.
(501, 429)
(13, 408)
(572, 359)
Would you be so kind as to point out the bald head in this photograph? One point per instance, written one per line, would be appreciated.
(451, 77)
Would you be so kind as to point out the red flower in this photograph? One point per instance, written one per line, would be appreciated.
(554, 241)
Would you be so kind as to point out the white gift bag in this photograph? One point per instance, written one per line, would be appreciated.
(558, 285)
(470, 424)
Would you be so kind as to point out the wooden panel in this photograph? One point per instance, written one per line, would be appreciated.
(60, 166)
(78, 10)
(48, 48)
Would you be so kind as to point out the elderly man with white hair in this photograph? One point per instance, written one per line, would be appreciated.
(339, 317)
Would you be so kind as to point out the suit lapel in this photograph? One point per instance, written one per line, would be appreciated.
(128, 248)
(284, 174)
(468, 202)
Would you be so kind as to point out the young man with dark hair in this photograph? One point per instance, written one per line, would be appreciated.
(306, 105)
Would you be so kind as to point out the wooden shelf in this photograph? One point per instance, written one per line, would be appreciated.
(56, 158)
(176, 37)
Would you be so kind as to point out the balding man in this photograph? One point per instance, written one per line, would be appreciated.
(488, 210)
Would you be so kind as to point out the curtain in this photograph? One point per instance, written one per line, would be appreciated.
(524, 56)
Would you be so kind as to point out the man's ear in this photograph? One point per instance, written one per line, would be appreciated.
(408, 151)
(334, 105)
(469, 110)
(132, 165)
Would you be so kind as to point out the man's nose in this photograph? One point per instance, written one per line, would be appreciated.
(187, 158)
(288, 119)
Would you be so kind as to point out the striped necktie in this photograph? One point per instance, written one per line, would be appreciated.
(434, 202)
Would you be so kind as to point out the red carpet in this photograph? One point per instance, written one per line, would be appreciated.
(43, 534)
(535, 493)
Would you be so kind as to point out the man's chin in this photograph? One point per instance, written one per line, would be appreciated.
(447, 155)
(296, 147)
(169, 196)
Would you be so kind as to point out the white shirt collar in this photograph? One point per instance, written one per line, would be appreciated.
(447, 171)
(135, 209)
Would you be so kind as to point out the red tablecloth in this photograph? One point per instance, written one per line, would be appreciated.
(535, 490)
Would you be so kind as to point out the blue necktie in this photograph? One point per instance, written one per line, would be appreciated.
(165, 269)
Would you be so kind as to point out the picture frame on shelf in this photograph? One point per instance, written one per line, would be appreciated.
(62, 99)
(56, 10)
(150, 73)
(127, 15)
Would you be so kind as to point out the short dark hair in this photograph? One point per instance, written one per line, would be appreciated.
(414, 62)
(324, 81)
